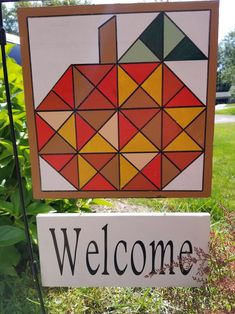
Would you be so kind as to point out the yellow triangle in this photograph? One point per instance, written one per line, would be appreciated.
(182, 143)
(127, 171)
(85, 170)
(68, 131)
(153, 85)
(97, 145)
(183, 116)
(126, 85)
(139, 144)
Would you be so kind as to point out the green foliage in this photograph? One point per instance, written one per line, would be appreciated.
(226, 63)
(12, 235)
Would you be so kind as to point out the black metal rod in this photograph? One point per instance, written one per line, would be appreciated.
(33, 262)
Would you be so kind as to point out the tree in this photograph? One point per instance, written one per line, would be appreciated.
(10, 14)
(226, 63)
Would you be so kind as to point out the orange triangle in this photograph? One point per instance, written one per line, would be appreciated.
(171, 84)
(96, 100)
(140, 117)
(140, 99)
(52, 102)
(70, 172)
(98, 183)
(94, 72)
(140, 183)
(182, 159)
(64, 87)
(58, 161)
(98, 160)
(169, 171)
(82, 87)
(170, 129)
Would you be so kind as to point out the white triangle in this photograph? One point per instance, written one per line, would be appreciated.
(130, 27)
(195, 24)
(55, 118)
(110, 131)
(140, 160)
(190, 179)
(193, 74)
(51, 180)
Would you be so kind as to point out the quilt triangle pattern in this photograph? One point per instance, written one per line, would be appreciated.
(127, 125)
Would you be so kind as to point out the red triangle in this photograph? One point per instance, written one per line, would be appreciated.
(182, 159)
(140, 183)
(171, 84)
(57, 161)
(53, 102)
(170, 129)
(139, 117)
(96, 101)
(108, 86)
(44, 132)
(153, 170)
(185, 98)
(139, 72)
(126, 130)
(70, 172)
(97, 160)
(64, 87)
(93, 72)
(84, 132)
(98, 183)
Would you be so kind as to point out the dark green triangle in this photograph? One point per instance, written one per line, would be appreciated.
(152, 36)
(185, 50)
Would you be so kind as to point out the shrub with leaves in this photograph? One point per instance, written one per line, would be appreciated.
(12, 237)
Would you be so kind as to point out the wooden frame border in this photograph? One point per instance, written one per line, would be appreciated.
(25, 13)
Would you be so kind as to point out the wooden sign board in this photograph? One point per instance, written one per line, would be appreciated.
(139, 250)
(120, 98)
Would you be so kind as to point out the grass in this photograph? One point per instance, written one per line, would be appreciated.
(229, 110)
(17, 295)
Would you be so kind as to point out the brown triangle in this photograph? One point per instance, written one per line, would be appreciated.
(140, 99)
(197, 129)
(153, 130)
(57, 145)
(111, 172)
(98, 160)
(96, 119)
(140, 183)
(82, 87)
(70, 172)
(169, 171)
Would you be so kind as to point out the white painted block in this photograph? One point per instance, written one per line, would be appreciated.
(125, 250)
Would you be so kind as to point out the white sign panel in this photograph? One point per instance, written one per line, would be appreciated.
(125, 250)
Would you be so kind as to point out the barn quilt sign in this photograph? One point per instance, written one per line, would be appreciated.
(120, 98)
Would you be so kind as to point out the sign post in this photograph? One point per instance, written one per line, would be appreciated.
(120, 103)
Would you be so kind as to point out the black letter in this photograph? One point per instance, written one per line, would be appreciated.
(92, 271)
(183, 270)
(141, 244)
(66, 248)
(105, 272)
(154, 249)
(118, 270)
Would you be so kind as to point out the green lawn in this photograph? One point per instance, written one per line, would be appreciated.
(229, 110)
(18, 295)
